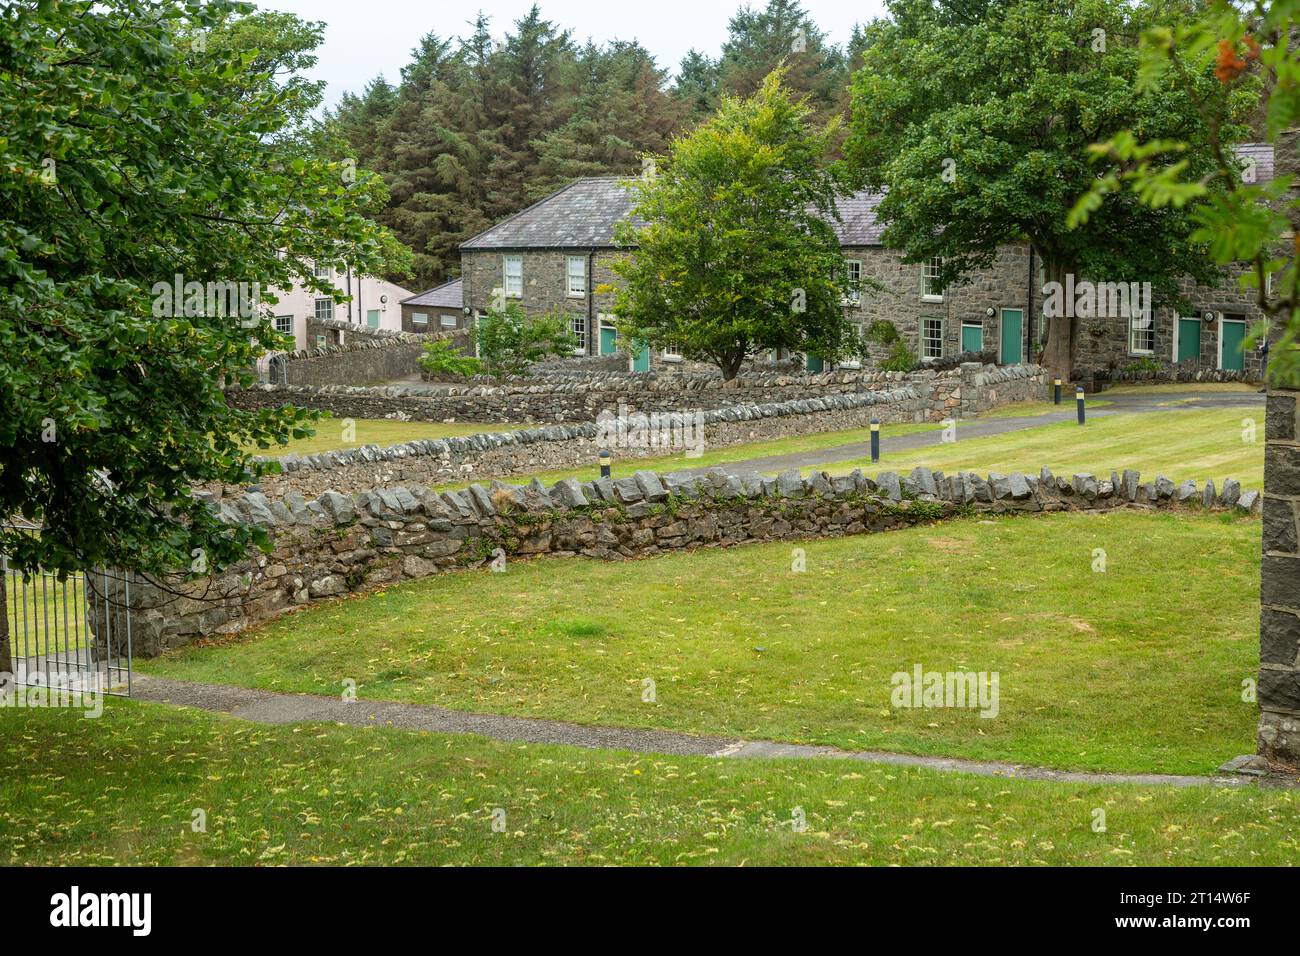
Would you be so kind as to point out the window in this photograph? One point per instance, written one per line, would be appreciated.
(325, 308)
(672, 352)
(322, 270)
(448, 321)
(578, 324)
(577, 276)
(419, 318)
(931, 337)
(1141, 334)
(931, 290)
(854, 268)
(284, 323)
(514, 276)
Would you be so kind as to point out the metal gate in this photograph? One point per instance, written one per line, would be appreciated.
(73, 634)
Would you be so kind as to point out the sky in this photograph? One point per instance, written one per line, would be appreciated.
(367, 37)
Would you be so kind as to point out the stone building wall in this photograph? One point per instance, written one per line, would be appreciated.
(336, 544)
(1279, 624)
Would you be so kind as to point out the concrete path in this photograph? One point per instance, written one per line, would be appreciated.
(985, 427)
(267, 707)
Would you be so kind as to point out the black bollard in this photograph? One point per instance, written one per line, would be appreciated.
(1056, 391)
(875, 439)
(604, 463)
(1078, 401)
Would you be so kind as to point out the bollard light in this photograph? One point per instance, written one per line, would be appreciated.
(875, 439)
(1056, 391)
(604, 463)
(1078, 401)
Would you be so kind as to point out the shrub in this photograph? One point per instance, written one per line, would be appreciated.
(901, 359)
(509, 342)
(882, 332)
(441, 358)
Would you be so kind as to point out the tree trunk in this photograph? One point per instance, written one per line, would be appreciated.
(730, 366)
(1058, 349)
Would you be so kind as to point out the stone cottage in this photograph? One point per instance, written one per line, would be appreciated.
(558, 251)
(439, 309)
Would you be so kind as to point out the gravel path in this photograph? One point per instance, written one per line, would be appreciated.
(267, 707)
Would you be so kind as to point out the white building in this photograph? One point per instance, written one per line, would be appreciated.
(374, 304)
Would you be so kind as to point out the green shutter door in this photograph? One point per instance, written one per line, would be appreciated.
(608, 341)
(972, 338)
(372, 318)
(641, 362)
(1234, 336)
(1012, 327)
(1189, 340)
(815, 364)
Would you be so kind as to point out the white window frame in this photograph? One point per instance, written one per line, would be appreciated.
(419, 318)
(929, 276)
(447, 321)
(322, 270)
(316, 307)
(854, 269)
(927, 339)
(578, 326)
(282, 318)
(515, 290)
(578, 289)
(671, 353)
(1148, 332)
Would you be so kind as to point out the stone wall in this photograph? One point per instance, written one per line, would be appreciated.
(962, 393)
(1279, 624)
(367, 356)
(559, 399)
(337, 543)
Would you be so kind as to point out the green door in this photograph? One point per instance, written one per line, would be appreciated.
(1233, 337)
(1189, 340)
(815, 364)
(608, 340)
(641, 361)
(1012, 327)
(972, 338)
(372, 318)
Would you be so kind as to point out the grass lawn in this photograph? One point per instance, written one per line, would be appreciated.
(1137, 669)
(373, 431)
(123, 789)
(778, 446)
(1193, 443)
(1179, 388)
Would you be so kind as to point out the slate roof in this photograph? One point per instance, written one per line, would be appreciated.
(582, 215)
(449, 295)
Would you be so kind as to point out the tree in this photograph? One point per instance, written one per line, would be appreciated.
(696, 86)
(509, 341)
(782, 34)
(147, 143)
(978, 117)
(737, 254)
(1239, 219)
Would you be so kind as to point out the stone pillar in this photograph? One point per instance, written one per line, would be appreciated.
(1279, 623)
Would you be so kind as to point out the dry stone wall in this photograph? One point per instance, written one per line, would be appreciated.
(962, 393)
(337, 543)
(1279, 624)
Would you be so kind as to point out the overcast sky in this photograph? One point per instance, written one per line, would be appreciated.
(368, 37)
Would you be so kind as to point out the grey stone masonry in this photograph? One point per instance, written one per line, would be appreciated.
(1279, 621)
(338, 543)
